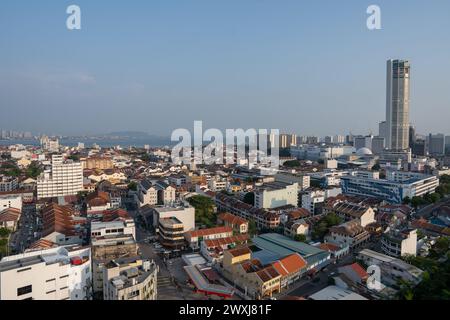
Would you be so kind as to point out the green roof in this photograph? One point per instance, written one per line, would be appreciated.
(282, 246)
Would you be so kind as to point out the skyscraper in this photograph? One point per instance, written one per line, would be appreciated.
(397, 104)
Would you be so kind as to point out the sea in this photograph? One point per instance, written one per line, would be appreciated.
(124, 142)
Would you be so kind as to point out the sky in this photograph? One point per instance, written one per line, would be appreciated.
(306, 67)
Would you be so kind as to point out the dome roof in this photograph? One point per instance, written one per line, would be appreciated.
(364, 152)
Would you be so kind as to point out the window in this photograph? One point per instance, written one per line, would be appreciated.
(23, 270)
(24, 290)
(50, 280)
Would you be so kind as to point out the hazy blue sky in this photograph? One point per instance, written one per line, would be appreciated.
(310, 67)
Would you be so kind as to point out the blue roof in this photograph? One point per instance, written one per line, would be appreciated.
(275, 246)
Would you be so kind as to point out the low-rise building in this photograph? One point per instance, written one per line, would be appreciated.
(264, 219)
(114, 222)
(238, 224)
(394, 189)
(350, 234)
(336, 293)
(276, 194)
(213, 249)
(256, 280)
(130, 279)
(9, 219)
(392, 269)
(194, 237)
(350, 211)
(291, 268)
(10, 201)
(398, 242)
(107, 248)
(183, 212)
(8, 184)
(62, 225)
(53, 274)
(171, 233)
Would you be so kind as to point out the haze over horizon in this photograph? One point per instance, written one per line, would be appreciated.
(306, 68)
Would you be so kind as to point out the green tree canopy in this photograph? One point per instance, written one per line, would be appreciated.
(249, 198)
(204, 210)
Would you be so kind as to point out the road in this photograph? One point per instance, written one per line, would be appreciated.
(28, 226)
(172, 280)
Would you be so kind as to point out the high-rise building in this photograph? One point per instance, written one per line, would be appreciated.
(397, 104)
(64, 179)
(339, 139)
(412, 136)
(436, 144)
(287, 140)
(378, 144)
(382, 129)
(49, 144)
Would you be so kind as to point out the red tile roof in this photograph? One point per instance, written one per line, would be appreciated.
(212, 243)
(290, 264)
(359, 270)
(330, 247)
(239, 251)
(232, 219)
(210, 231)
(42, 244)
(60, 219)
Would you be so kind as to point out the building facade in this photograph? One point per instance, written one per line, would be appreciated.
(397, 104)
(64, 179)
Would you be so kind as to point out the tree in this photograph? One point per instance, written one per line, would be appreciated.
(204, 210)
(376, 167)
(436, 275)
(249, 198)
(4, 232)
(33, 170)
(132, 186)
(417, 201)
(407, 200)
(252, 227)
(74, 157)
(300, 238)
(292, 163)
(321, 228)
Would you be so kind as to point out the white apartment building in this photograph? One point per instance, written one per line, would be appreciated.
(184, 213)
(304, 181)
(312, 200)
(130, 279)
(65, 178)
(10, 201)
(113, 228)
(276, 194)
(61, 273)
(217, 184)
(153, 193)
(49, 144)
(392, 269)
(8, 183)
(398, 243)
(395, 188)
